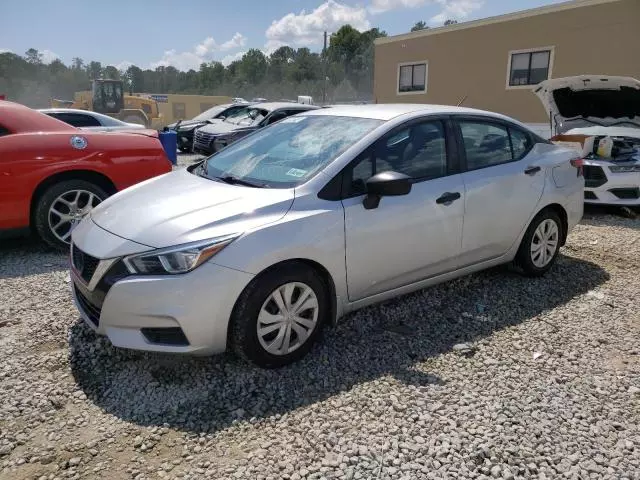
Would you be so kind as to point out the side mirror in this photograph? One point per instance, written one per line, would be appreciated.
(385, 184)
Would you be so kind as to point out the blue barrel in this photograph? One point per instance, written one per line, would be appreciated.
(169, 141)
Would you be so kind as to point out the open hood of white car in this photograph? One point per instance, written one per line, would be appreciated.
(590, 100)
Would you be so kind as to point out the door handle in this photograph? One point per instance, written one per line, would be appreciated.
(448, 198)
(532, 170)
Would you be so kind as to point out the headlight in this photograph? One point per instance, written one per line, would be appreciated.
(175, 260)
(625, 169)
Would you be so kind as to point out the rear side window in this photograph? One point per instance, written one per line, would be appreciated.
(77, 120)
(4, 131)
(489, 144)
(485, 144)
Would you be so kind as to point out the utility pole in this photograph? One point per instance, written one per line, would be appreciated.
(324, 70)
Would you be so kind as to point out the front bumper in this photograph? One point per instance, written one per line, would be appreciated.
(175, 313)
(185, 140)
(186, 313)
(603, 187)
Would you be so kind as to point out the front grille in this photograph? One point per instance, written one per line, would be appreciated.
(202, 140)
(590, 196)
(84, 263)
(594, 176)
(626, 193)
(166, 336)
(88, 308)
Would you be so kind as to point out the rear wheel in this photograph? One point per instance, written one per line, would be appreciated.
(61, 207)
(279, 316)
(540, 244)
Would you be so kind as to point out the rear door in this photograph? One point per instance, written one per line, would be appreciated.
(411, 237)
(503, 185)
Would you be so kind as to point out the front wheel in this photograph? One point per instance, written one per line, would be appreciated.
(61, 207)
(279, 316)
(540, 244)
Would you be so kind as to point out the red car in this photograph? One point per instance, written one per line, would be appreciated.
(53, 174)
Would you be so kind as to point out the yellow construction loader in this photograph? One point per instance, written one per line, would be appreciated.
(107, 96)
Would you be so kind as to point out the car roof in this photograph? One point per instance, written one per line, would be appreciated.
(271, 106)
(65, 110)
(388, 111)
(111, 121)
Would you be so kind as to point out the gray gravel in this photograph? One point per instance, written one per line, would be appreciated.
(490, 376)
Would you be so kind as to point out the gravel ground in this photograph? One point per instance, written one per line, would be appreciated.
(489, 376)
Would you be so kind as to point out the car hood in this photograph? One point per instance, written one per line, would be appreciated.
(220, 128)
(188, 124)
(587, 100)
(180, 207)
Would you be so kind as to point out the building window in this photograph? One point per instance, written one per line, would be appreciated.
(529, 67)
(412, 77)
(179, 110)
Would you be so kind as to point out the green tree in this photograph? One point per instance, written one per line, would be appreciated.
(253, 66)
(111, 72)
(94, 70)
(77, 63)
(33, 56)
(450, 22)
(419, 26)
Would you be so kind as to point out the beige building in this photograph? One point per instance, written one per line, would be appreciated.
(494, 63)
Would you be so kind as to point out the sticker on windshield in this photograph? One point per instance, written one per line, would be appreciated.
(295, 119)
(296, 172)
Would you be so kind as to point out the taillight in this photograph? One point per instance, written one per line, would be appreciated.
(579, 164)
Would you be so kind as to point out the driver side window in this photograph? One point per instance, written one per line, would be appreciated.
(417, 150)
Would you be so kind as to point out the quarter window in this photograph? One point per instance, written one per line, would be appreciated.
(3, 131)
(418, 151)
(529, 68)
(412, 78)
(520, 142)
(488, 144)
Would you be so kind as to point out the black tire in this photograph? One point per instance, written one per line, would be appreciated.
(523, 258)
(244, 319)
(44, 202)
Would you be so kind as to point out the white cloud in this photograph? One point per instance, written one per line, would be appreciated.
(48, 56)
(306, 29)
(450, 9)
(232, 58)
(123, 65)
(237, 41)
(455, 9)
(379, 6)
(203, 52)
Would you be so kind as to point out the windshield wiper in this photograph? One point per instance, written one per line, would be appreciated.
(231, 180)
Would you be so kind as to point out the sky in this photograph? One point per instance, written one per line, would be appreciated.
(151, 33)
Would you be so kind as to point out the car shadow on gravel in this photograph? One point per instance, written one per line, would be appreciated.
(20, 257)
(391, 339)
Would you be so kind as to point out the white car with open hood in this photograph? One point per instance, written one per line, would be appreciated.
(600, 106)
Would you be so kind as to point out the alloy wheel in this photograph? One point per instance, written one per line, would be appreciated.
(544, 243)
(68, 209)
(287, 318)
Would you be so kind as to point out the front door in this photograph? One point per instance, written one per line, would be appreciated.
(503, 185)
(406, 238)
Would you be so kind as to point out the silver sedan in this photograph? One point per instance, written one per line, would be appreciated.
(261, 245)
